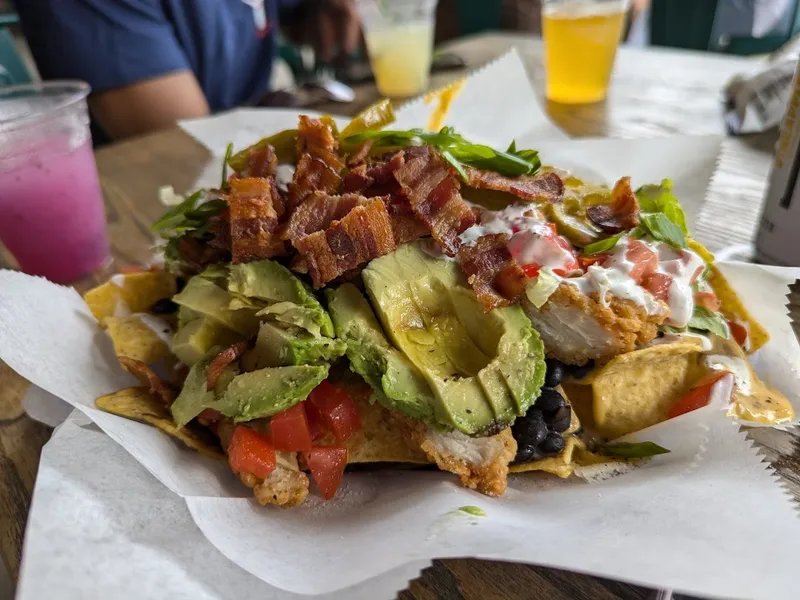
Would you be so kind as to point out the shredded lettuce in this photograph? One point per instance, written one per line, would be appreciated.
(659, 226)
(542, 288)
(661, 214)
(705, 320)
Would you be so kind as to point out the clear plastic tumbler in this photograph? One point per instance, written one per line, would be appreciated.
(399, 36)
(52, 217)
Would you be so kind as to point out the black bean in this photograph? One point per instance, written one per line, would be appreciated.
(552, 444)
(165, 306)
(555, 372)
(561, 420)
(180, 283)
(579, 372)
(549, 402)
(529, 430)
(525, 453)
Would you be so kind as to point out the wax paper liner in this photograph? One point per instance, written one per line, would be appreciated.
(679, 504)
(500, 89)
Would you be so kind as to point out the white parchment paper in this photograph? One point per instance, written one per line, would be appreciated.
(707, 518)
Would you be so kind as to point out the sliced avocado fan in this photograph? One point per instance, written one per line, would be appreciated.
(481, 370)
(397, 383)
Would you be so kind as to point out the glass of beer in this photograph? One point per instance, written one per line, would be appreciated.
(580, 42)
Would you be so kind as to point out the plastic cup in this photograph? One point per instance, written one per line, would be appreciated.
(52, 217)
(399, 36)
(580, 43)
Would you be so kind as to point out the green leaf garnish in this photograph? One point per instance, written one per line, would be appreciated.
(512, 163)
(660, 227)
(539, 290)
(603, 245)
(176, 215)
(631, 449)
(660, 199)
(228, 154)
(705, 320)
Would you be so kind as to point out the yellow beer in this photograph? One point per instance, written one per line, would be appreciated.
(580, 41)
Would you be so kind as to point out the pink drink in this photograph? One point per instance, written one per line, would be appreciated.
(51, 209)
(51, 214)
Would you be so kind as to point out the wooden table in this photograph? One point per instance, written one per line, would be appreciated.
(654, 92)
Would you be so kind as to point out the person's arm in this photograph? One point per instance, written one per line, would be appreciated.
(126, 50)
(148, 105)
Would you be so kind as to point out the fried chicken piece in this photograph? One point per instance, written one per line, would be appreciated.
(286, 486)
(576, 328)
(481, 463)
(283, 487)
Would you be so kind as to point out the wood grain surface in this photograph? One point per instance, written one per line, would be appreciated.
(654, 92)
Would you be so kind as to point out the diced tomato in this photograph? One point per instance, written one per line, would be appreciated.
(658, 285)
(327, 467)
(587, 260)
(698, 396)
(289, 429)
(645, 260)
(739, 333)
(707, 300)
(531, 270)
(316, 423)
(337, 409)
(251, 452)
(209, 416)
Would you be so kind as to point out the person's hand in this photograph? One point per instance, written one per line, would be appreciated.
(331, 27)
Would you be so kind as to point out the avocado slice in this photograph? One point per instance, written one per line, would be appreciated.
(194, 397)
(244, 396)
(194, 339)
(205, 297)
(266, 392)
(292, 314)
(278, 346)
(274, 283)
(398, 384)
(484, 368)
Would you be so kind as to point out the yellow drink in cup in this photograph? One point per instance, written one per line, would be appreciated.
(399, 36)
(580, 42)
(401, 58)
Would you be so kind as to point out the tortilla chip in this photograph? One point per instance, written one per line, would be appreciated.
(134, 339)
(636, 389)
(733, 309)
(138, 403)
(130, 293)
(378, 440)
(561, 465)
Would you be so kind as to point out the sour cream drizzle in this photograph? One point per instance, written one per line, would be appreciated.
(531, 240)
(681, 266)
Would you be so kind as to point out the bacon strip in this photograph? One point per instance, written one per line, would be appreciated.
(261, 162)
(158, 387)
(432, 192)
(544, 187)
(365, 233)
(319, 166)
(623, 212)
(360, 155)
(254, 220)
(222, 360)
(318, 211)
(492, 272)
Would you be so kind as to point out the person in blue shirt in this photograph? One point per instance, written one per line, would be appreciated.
(152, 62)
